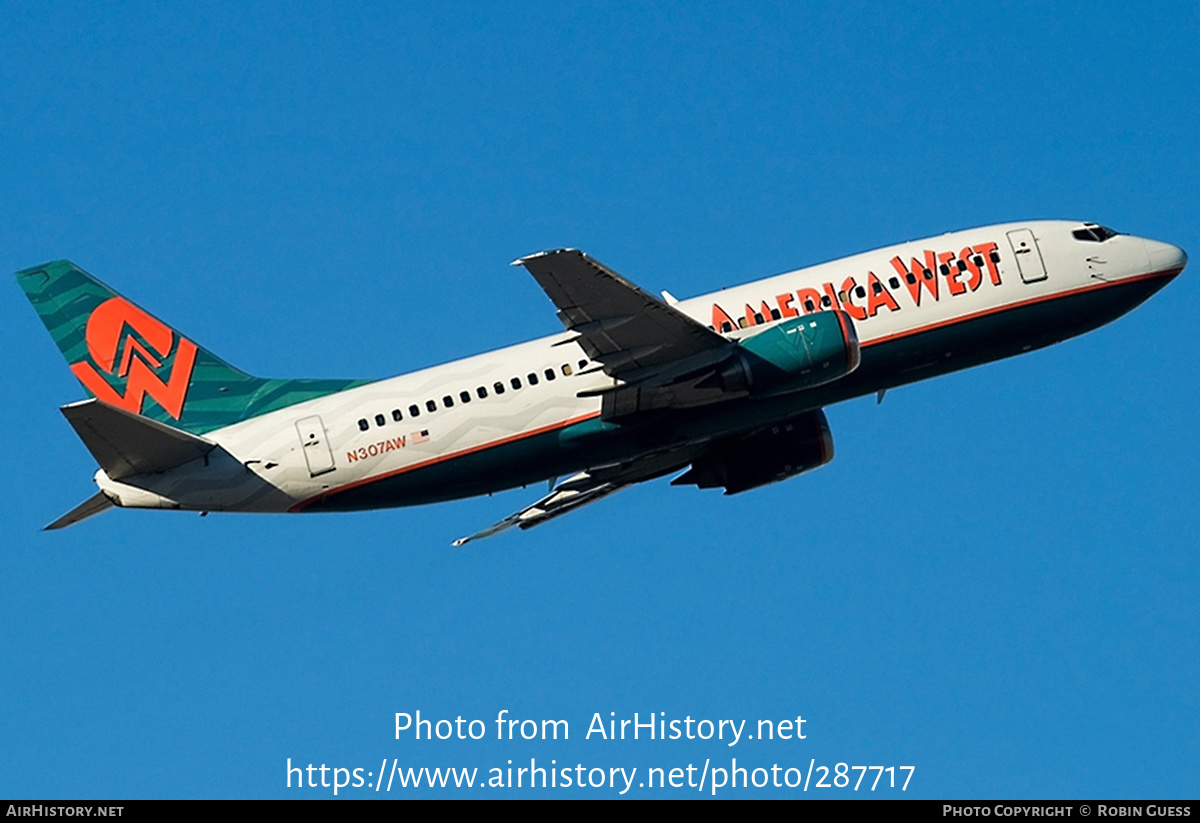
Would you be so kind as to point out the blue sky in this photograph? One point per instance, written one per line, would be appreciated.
(994, 581)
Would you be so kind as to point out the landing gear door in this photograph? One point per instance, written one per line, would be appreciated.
(315, 444)
(1029, 256)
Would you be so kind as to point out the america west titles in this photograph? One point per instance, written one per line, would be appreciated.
(964, 271)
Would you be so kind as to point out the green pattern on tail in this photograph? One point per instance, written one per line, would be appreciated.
(127, 357)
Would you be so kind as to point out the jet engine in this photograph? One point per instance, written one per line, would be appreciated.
(800, 353)
(775, 453)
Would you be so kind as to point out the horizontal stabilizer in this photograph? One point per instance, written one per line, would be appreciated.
(126, 444)
(94, 505)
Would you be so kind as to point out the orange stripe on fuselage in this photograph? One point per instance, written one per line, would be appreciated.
(569, 422)
(443, 458)
(1019, 304)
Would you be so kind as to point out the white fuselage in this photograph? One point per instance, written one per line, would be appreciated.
(322, 449)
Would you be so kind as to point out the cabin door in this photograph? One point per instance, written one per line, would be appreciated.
(1029, 256)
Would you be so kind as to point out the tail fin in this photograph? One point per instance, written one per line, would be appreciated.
(130, 359)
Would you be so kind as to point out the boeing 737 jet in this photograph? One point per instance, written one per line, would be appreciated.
(725, 390)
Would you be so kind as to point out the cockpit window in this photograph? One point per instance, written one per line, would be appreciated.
(1093, 234)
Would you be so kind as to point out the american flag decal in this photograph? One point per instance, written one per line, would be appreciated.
(419, 437)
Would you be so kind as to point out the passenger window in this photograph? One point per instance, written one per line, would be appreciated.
(809, 305)
(498, 388)
(413, 411)
(516, 382)
(928, 274)
(482, 392)
(944, 269)
(532, 378)
(566, 370)
(464, 396)
(432, 406)
(877, 287)
(363, 424)
(447, 401)
(775, 315)
(550, 375)
(758, 318)
(396, 415)
(962, 265)
(861, 292)
(726, 327)
(741, 322)
(380, 420)
(826, 302)
(582, 363)
(911, 278)
(894, 283)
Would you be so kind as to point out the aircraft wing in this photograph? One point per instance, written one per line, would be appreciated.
(578, 490)
(629, 331)
(587, 487)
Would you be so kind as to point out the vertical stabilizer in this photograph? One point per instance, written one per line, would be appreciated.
(128, 358)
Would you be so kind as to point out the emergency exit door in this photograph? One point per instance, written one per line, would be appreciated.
(315, 444)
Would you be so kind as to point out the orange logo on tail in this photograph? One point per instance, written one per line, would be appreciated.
(114, 348)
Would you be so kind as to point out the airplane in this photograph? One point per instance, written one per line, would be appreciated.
(726, 389)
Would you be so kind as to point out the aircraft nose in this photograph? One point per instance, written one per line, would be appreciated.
(1164, 257)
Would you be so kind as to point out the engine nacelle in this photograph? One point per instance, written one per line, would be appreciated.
(800, 353)
(771, 454)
